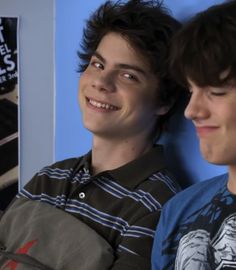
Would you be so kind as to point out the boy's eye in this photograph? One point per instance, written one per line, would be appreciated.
(130, 76)
(97, 65)
(219, 91)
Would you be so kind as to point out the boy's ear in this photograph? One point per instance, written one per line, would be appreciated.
(162, 110)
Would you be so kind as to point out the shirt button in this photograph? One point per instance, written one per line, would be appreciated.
(81, 195)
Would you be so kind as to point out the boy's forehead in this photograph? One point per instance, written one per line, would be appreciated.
(229, 84)
(138, 55)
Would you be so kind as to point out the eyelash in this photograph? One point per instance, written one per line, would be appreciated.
(211, 93)
(217, 94)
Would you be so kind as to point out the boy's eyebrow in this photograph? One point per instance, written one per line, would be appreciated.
(98, 55)
(121, 65)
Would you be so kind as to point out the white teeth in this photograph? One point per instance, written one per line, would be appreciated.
(102, 105)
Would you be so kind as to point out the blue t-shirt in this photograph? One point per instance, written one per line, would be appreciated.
(197, 229)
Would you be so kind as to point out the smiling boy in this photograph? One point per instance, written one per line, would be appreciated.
(197, 229)
(119, 104)
(125, 93)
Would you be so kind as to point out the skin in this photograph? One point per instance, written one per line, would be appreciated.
(118, 100)
(212, 111)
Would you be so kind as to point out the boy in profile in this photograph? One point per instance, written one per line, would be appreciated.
(197, 229)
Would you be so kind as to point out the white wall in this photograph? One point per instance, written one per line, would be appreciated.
(36, 86)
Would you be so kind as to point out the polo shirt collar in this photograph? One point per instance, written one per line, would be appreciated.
(136, 171)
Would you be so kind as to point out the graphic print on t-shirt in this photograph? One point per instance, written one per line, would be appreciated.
(198, 251)
(207, 238)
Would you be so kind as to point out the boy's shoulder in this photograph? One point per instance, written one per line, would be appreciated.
(69, 163)
(198, 191)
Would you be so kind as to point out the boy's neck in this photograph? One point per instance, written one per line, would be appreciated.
(109, 155)
(232, 179)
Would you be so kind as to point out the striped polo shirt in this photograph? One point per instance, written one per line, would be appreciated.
(122, 205)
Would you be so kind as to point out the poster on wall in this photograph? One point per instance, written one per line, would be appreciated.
(8, 101)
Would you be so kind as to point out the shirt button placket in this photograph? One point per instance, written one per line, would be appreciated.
(81, 195)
